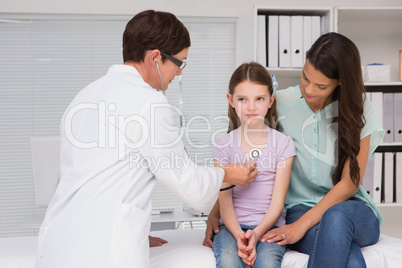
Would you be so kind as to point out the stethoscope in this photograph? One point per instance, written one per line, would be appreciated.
(160, 77)
(253, 155)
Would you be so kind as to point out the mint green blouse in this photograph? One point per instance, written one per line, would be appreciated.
(315, 141)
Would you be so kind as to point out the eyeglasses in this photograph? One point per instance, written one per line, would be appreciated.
(179, 63)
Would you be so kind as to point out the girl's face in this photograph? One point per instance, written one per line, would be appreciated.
(251, 102)
(316, 87)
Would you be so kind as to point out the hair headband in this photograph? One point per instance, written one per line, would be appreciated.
(274, 84)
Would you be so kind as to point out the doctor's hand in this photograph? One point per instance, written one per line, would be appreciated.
(240, 174)
(156, 241)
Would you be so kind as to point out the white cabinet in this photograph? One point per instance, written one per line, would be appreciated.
(246, 39)
(377, 32)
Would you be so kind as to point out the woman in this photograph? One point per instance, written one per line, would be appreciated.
(329, 215)
(117, 136)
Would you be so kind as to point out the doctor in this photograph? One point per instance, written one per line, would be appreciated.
(117, 138)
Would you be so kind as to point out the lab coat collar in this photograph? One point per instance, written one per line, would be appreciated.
(122, 68)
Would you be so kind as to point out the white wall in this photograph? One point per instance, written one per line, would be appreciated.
(228, 8)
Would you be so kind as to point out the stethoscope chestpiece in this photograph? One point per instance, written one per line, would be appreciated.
(254, 154)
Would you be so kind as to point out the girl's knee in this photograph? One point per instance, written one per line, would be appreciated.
(269, 255)
(273, 260)
(229, 261)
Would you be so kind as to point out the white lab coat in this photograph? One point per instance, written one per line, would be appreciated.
(117, 137)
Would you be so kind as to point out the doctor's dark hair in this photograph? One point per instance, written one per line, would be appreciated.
(258, 74)
(154, 30)
(337, 57)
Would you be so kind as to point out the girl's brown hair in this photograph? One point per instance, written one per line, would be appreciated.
(154, 30)
(256, 73)
(337, 57)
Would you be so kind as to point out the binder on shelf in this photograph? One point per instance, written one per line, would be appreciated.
(377, 100)
(367, 182)
(261, 40)
(324, 25)
(388, 116)
(388, 177)
(296, 41)
(315, 28)
(377, 177)
(284, 41)
(398, 177)
(307, 35)
(397, 117)
(273, 41)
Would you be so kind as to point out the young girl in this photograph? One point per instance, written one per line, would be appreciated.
(248, 212)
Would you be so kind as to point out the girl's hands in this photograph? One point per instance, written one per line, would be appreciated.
(246, 243)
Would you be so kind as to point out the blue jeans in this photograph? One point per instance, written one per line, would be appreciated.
(336, 240)
(225, 250)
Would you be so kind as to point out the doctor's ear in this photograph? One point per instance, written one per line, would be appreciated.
(153, 55)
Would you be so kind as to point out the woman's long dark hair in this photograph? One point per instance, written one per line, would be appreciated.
(256, 73)
(337, 57)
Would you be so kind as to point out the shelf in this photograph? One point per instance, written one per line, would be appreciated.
(390, 83)
(391, 144)
(388, 205)
(389, 148)
(293, 11)
(391, 87)
(370, 14)
(285, 72)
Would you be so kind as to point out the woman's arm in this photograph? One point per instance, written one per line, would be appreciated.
(342, 191)
(212, 225)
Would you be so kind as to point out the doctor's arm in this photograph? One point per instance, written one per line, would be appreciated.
(341, 192)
